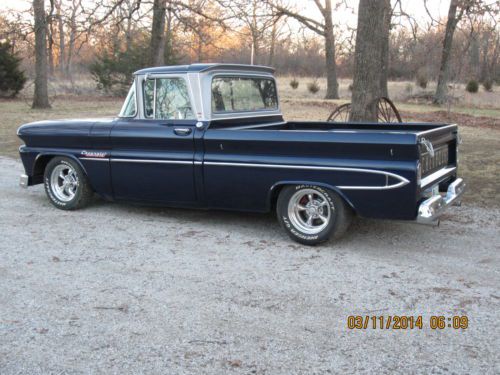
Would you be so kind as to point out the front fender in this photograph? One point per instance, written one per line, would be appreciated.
(35, 161)
(276, 188)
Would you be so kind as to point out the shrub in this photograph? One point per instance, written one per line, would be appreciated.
(294, 83)
(409, 88)
(313, 87)
(12, 79)
(488, 85)
(422, 78)
(113, 70)
(472, 86)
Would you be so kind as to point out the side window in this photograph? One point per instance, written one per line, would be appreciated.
(129, 108)
(167, 99)
(149, 92)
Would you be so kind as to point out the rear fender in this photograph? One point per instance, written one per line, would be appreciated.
(276, 188)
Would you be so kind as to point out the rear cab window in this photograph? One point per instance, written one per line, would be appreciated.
(243, 94)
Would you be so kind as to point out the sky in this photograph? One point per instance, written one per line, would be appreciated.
(344, 17)
(413, 7)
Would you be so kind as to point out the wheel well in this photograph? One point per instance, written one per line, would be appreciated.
(40, 164)
(275, 192)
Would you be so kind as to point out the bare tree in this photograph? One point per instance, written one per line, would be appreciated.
(325, 29)
(158, 33)
(455, 13)
(41, 97)
(371, 40)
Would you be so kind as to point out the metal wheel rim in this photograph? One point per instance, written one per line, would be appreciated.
(309, 211)
(64, 182)
(340, 114)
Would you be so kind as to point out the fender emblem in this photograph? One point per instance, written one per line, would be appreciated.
(94, 154)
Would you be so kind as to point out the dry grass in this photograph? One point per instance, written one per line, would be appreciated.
(398, 91)
(480, 152)
(17, 112)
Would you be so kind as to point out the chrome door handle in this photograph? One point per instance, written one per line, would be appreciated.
(182, 131)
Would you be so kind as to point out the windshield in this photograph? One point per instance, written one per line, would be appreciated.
(129, 108)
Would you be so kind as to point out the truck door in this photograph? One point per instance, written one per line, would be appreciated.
(152, 158)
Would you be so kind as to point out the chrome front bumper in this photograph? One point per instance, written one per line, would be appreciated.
(431, 209)
(23, 181)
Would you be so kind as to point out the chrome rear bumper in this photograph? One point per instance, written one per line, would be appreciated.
(23, 181)
(431, 209)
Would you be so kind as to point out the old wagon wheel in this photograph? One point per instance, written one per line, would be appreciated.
(387, 111)
(340, 114)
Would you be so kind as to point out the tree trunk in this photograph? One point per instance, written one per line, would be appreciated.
(474, 53)
(157, 44)
(168, 37)
(62, 40)
(71, 47)
(368, 59)
(384, 69)
(451, 24)
(41, 97)
(332, 86)
(50, 38)
(272, 45)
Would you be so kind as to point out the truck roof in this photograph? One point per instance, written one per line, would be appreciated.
(200, 68)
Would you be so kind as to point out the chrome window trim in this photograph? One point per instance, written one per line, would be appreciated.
(245, 75)
(402, 181)
(154, 77)
(124, 106)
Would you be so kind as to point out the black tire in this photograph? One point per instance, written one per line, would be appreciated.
(339, 214)
(82, 191)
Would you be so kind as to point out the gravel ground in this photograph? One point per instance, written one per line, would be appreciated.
(120, 289)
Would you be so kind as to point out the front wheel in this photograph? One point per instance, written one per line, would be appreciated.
(311, 214)
(66, 184)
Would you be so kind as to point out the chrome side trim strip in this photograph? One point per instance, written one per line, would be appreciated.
(436, 176)
(95, 159)
(402, 181)
(184, 162)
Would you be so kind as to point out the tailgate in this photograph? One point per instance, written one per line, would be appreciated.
(437, 154)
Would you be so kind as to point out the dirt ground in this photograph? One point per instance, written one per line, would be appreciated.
(119, 289)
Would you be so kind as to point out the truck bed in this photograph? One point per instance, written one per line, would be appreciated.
(408, 127)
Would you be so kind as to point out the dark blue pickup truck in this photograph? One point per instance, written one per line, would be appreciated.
(212, 136)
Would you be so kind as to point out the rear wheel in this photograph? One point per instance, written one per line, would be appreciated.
(66, 184)
(311, 214)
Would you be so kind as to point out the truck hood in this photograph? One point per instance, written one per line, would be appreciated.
(69, 125)
(62, 133)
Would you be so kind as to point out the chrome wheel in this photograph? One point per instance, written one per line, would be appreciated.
(64, 182)
(309, 211)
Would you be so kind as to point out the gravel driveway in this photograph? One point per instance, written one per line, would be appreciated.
(121, 289)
